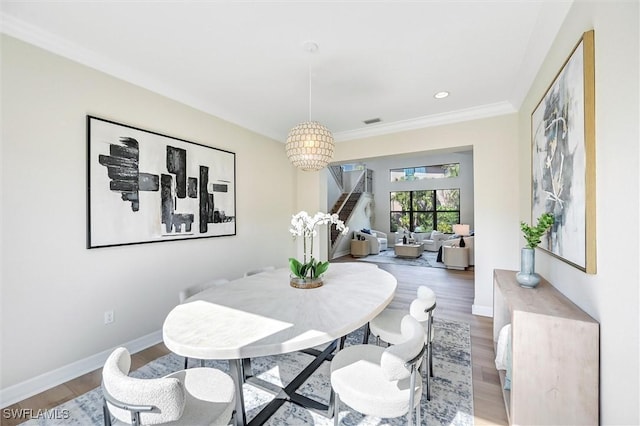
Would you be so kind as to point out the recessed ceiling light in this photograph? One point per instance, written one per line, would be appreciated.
(441, 95)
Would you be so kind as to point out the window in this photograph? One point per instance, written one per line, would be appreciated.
(439, 171)
(353, 166)
(424, 211)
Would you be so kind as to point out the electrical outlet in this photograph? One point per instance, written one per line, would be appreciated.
(108, 317)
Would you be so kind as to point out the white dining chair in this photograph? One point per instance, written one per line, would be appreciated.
(381, 381)
(196, 396)
(186, 293)
(386, 327)
(258, 270)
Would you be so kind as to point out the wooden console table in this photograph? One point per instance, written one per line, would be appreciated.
(554, 354)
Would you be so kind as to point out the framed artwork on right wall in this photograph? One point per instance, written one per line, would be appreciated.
(563, 159)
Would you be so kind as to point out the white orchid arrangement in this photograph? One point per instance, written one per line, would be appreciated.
(303, 225)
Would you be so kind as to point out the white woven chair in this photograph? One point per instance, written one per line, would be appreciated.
(386, 327)
(196, 396)
(380, 381)
(193, 290)
(257, 271)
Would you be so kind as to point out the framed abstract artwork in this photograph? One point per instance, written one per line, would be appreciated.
(146, 187)
(563, 159)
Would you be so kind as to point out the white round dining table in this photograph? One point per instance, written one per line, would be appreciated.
(263, 315)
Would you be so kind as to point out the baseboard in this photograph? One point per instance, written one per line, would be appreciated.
(340, 253)
(483, 311)
(48, 380)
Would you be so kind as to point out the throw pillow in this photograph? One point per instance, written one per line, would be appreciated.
(507, 378)
(501, 348)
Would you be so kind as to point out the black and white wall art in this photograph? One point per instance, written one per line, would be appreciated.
(147, 187)
(563, 159)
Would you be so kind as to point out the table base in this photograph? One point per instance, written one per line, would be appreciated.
(240, 370)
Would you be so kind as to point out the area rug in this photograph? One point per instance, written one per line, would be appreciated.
(451, 393)
(428, 259)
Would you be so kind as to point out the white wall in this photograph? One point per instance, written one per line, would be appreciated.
(54, 290)
(611, 296)
(382, 186)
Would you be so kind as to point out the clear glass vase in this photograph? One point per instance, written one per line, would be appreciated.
(306, 283)
(527, 276)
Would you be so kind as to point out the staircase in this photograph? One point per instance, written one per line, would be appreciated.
(348, 202)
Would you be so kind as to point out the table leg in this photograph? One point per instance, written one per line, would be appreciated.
(246, 368)
(367, 331)
(341, 343)
(289, 392)
(237, 373)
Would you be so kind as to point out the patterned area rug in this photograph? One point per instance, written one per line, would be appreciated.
(428, 259)
(451, 393)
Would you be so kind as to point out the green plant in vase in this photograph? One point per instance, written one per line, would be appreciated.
(533, 234)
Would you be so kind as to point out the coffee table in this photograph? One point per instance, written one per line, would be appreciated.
(263, 315)
(408, 250)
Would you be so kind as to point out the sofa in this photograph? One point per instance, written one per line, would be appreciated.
(431, 241)
(377, 239)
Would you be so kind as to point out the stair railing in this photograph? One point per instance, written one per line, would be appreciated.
(356, 188)
(336, 172)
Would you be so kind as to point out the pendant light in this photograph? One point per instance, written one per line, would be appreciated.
(310, 145)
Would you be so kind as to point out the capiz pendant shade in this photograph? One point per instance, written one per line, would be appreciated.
(310, 146)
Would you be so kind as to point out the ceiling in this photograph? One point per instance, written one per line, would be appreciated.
(245, 61)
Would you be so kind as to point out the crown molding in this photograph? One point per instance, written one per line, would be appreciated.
(550, 19)
(33, 35)
(483, 111)
(60, 46)
(75, 52)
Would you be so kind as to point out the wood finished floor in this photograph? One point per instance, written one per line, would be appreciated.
(454, 291)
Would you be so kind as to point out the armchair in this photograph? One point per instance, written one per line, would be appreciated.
(186, 397)
(432, 241)
(377, 240)
(382, 382)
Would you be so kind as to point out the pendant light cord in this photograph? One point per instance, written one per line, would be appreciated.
(311, 48)
(309, 69)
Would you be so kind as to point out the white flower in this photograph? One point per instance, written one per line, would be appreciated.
(303, 225)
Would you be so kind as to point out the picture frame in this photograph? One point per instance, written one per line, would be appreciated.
(144, 187)
(563, 159)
